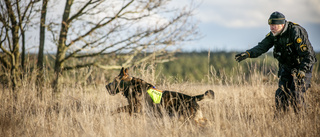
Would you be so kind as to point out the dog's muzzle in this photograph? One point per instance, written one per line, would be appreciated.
(110, 89)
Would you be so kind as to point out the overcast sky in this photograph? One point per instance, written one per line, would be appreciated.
(229, 25)
(236, 25)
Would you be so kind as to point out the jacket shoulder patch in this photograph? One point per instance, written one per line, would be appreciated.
(299, 40)
(303, 48)
(268, 34)
(295, 23)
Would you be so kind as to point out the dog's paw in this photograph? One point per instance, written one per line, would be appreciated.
(201, 122)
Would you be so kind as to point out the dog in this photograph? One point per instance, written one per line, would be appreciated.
(143, 96)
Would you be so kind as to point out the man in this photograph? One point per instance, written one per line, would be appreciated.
(295, 55)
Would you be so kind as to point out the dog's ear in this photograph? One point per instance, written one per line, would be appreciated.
(126, 72)
(121, 72)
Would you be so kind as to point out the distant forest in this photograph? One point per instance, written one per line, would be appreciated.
(183, 67)
(195, 66)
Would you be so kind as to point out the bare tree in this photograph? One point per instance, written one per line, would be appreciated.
(119, 29)
(40, 77)
(14, 16)
(25, 12)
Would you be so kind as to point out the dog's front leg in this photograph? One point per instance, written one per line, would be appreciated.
(122, 109)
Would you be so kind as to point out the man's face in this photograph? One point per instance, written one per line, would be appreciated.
(276, 29)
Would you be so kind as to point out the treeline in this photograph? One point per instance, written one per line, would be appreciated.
(192, 67)
(197, 66)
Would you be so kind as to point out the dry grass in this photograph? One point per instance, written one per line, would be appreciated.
(238, 110)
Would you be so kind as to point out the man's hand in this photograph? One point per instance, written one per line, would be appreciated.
(301, 74)
(241, 56)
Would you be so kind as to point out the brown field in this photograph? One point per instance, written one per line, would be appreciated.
(243, 109)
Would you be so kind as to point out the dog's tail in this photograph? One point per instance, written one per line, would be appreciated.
(209, 94)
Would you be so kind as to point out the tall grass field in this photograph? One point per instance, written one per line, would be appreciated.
(243, 107)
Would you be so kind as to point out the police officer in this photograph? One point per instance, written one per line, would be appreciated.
(295, 55)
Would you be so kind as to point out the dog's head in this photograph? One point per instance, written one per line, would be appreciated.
(120, 83)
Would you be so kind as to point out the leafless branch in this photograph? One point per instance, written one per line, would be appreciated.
(99, 25)
(79, 66)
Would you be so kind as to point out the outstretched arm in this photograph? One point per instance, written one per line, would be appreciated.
(262, 46)
(256, 51)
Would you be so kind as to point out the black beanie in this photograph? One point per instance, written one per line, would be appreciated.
(277, 18)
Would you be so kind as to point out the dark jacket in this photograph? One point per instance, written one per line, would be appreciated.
(292, 48)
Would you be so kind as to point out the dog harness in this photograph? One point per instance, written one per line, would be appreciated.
(155, 95)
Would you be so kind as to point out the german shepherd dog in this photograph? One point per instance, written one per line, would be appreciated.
(172, 103)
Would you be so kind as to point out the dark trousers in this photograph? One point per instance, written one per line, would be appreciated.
(291, 90)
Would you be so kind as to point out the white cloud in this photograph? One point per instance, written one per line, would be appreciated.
(248, 13)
